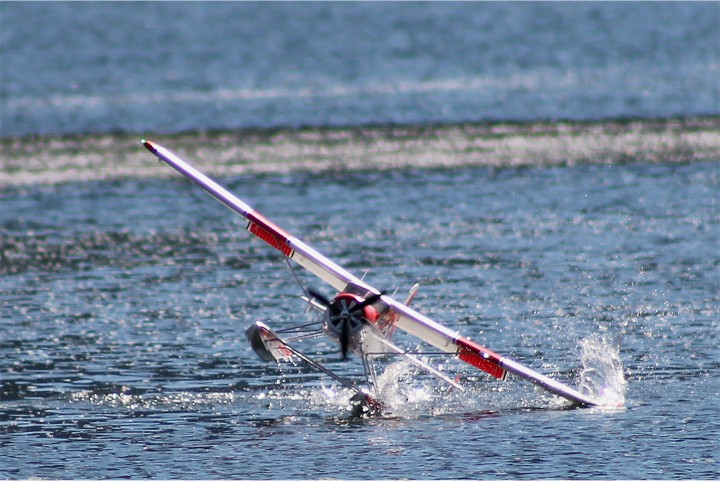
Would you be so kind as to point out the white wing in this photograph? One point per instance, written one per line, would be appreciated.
(408, 319)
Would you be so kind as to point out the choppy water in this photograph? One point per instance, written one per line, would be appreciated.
(124, 306)
(169, 66)
(586, 248)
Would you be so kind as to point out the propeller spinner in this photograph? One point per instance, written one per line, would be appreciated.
(346, 315)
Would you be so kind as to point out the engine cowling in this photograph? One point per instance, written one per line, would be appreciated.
(346, 316)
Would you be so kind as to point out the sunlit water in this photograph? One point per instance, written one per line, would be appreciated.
(178, 66)
(124, 306)
(586, 249)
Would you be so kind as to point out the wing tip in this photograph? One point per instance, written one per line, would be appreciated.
(148, 145)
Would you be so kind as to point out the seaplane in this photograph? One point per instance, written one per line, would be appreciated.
(360, 318)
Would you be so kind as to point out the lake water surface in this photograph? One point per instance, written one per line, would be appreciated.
(548, 172)
(125, 303)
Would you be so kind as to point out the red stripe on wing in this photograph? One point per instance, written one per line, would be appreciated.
(480, 357)
(269, 232)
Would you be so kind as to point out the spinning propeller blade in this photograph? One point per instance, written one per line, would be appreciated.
(370, 300)
(344, 338)
(319, 297)
(336, 310)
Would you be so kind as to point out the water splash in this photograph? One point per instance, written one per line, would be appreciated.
(402, 392)
(407, 392)
(602, 376)
(399, 388)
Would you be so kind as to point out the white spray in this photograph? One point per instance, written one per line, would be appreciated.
(602, 376)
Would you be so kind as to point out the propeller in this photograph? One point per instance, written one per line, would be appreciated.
(319, 297)
(342, 314)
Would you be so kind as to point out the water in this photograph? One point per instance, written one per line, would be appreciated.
(164, 67)
(124, 316)
(586, 248)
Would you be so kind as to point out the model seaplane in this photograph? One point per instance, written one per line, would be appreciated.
(361, 318)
